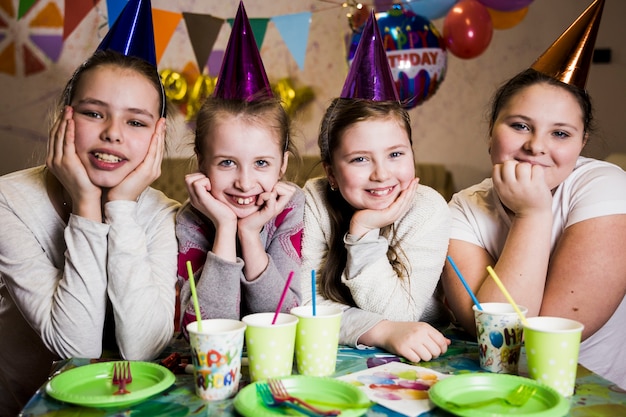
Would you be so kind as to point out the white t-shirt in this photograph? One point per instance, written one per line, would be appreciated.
(594, 189)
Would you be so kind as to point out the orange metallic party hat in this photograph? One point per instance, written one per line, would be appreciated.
(569, 57)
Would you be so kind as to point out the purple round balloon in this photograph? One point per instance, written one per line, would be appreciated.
(506, 5)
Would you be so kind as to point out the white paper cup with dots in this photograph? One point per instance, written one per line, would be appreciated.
(552, 345)
(270, 347)
(317, 339)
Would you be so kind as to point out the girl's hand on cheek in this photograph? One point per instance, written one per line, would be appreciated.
(522, 187)
(200, 197)
(146, 172)
(271, 203)
(365, 220)
(64, 163)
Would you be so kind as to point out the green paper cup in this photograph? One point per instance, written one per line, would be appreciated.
(216, 357)
(270, 346)
(499, 333)
(552, 345)
(317, 338)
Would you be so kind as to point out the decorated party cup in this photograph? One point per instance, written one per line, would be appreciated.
(216, 356)
(499, 332)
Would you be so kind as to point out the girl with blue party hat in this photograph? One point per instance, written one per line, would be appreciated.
(242, 226)
(376, 238)
(88, 251)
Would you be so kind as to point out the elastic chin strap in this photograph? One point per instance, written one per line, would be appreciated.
(162, 99)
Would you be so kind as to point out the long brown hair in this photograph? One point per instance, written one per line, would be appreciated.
(340, 115)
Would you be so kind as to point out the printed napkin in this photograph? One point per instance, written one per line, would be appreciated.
(398, 386)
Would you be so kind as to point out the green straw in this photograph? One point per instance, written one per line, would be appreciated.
(194, 296)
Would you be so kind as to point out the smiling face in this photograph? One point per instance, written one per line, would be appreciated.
(115, 114)
(242, 159)
(372, 163)
(541, 124)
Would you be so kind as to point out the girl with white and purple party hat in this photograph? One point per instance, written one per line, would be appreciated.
(88, 251)
(551, 222)
(241, 228)
(374, 236)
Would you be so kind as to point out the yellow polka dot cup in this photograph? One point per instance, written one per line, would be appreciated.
(270, 347)
(216, 356)
(552, 345)
(317, 338)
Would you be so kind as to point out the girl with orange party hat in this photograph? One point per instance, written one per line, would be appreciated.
(375, 237)
(88, 251)
(242, 225)
(551, 221)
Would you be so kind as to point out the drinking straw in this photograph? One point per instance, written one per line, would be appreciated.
(469, 290)
(194, 296)
(282, 297)
(313, 290)
(506, 293)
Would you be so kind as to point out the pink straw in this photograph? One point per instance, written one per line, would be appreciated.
(282, 297)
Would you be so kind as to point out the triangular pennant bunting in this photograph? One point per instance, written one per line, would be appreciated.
(294, 29)
(32, 64)
(7, 7)
(75, 12)
(51, 45)
(114, 8)
(259, 27)
(166, 23)
(24, 7)
(203, 30)
(49, 17)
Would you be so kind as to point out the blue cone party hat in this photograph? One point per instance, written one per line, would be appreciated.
(370, 76)
(568, 59)
(132, 33)
(242, 76)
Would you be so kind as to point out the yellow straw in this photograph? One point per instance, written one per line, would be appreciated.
(194, 296)
(506, 293)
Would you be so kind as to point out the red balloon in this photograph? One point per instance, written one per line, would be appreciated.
(467, 29)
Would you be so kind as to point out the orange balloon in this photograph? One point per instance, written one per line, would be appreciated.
(506, 20)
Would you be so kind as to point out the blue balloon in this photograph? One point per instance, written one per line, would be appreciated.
(496, 339)
(430, 9)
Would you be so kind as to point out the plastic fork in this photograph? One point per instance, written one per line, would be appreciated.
(516, 398)
(279, 392)
(263, 390)
(121, 377)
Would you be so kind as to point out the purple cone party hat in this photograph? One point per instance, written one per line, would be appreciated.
(370, 76)
(569, 57)
(242, 76)
(132, 33)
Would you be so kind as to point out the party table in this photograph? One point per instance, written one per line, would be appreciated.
(594, 395)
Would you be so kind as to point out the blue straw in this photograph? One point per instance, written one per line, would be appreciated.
(313, 290)
(458, 273)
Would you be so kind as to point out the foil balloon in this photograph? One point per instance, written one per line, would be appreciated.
(467, 29)
(415, 51)
(174, 84)
(429, 9)
(292, 98)
(506, 5)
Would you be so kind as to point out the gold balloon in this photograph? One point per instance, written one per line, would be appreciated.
(202, 88)
(506, 20)
(174, 84)
(292, 98)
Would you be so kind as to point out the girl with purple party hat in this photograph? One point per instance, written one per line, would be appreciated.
(241, 228)
(551, 222)
(376, 238)
(88, 251)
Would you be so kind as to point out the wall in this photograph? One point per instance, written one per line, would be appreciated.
(448, 128)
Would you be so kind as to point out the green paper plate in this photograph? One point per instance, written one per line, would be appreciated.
(248, 403)
(90, 385)
(466, 388)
